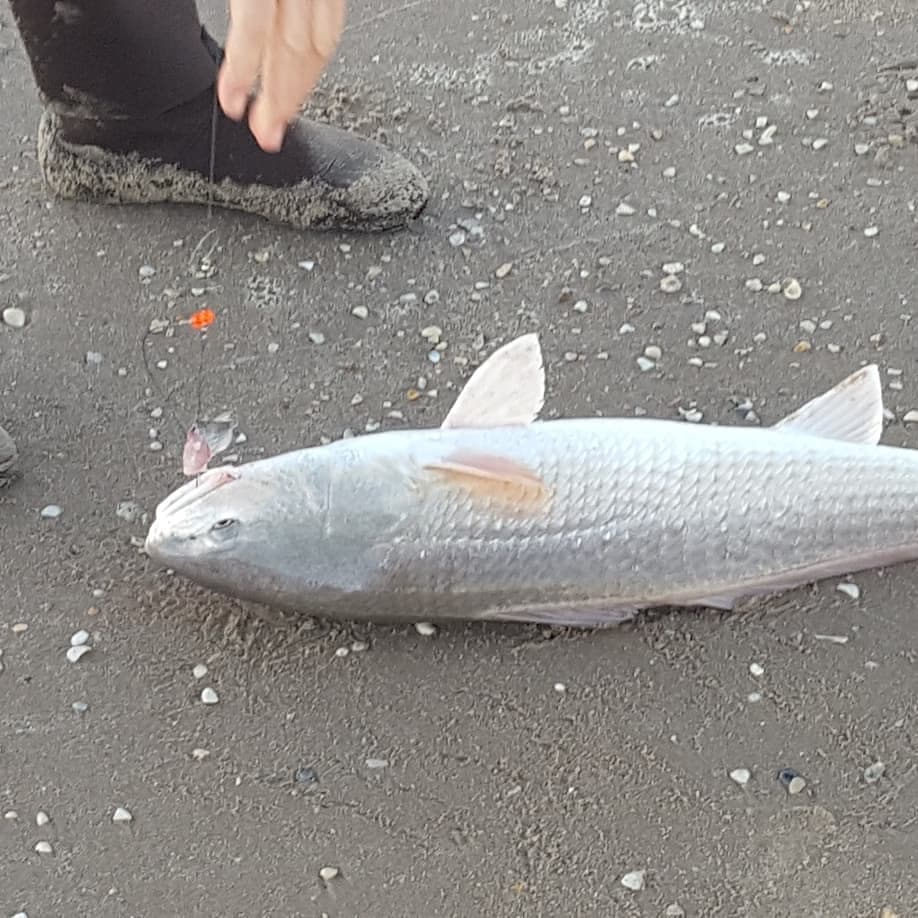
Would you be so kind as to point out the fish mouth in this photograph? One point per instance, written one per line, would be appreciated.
(195, 489)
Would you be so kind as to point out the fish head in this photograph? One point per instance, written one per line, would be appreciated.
(245, 530)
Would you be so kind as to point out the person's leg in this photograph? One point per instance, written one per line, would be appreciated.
(128, 93)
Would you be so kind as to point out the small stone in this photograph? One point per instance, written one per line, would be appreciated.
(19, 628)
(585, 202)
(306, 265)
(911, 417)
(457, 238)
(743, 149)
(306, 775)
(754, 284)
(93, 357)
(783, 197)
(757, 669)
(625, 210)
(377, 763)
(75, 654)
(79, 637)
(741, 776)
(359, 646)
(670, 284)
(361, 312)
(674, 911)
(820, 142)
(51, 512)
(122, 815)
(79, 707)
(14, 317)
(792, 289)
(633, 880)
(871, 231)
(803, 347)
(673, 267)
(652, 352)
(560, 688)
(792, 781)
(767, 136)
(209, 696)
(580, 306)
(885, 912)
(426, 629)
(44, 847)
(42, 818)
(342, 652)
(328, 873)
(861, 149)
(873, 773)
(718, 247)
(754, 697)
(644, 364)
(504, 270)
(851, 590)
(199, 671)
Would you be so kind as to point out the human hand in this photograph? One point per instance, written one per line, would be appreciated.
(288, 43)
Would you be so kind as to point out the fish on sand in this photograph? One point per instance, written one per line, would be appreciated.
(497, 515)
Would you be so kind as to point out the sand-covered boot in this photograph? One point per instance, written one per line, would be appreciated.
(129, 113)
(9, 457)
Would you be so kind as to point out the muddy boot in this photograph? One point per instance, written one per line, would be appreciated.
(8, 458)
(128, 89)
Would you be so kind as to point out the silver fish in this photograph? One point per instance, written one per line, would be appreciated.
(497, 515)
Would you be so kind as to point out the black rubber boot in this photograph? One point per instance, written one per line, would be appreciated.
(8, 458)
(128, 89)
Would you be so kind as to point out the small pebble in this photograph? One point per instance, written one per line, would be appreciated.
(585, 202)
(757, 669)
(644, 364)
(743, 149)
(199, 671)
(75, 654)
(209, 696)
(93, 357)
(79, 637)
(377, 763)
(342, 652)
(504, 269)
(670, 284)
(317, 337)
(911, 417)
(560, 688)
(633, 880)
(306, 775)
(146, 271)
(871, 231)
(122, 815)
(741, 775)
(359, 646)
(754, 697)
(673, 267)
(79, 707)
(820, 142)
(852, 590)
(44, 847)
(794, 782)
(792, 289)
(426, 629)
(51, 512)
(625, 210)
(361, 312)
(19, 628)
(653, 352)
(674, 911)
(14, 317)
(42, 818)
(873, 773)
(328, 873)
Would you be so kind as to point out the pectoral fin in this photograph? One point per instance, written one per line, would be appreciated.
(851, 411)
(508, 389)
(492, 477)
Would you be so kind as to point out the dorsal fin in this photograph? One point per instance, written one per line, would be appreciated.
(851, 411)
(508, 389)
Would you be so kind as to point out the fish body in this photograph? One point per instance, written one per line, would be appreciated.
(584, 522)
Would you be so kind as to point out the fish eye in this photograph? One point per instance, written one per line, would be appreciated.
(222, 524)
